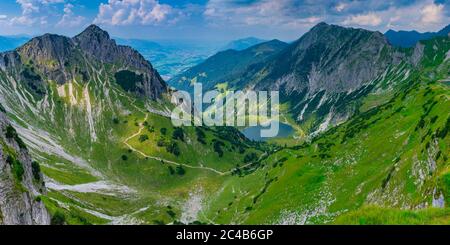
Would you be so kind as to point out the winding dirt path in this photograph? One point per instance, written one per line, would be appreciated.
(141, 127)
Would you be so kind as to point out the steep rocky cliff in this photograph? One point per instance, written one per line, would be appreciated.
(323, 73)
(21, 182)
(62, 59)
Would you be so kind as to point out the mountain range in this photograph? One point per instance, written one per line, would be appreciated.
(320, 77)
(225, 64)
(87, 137)
(244, 43)
(171, 57)
(410, 38)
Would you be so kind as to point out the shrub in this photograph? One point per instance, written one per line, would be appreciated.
(163, 131)
(180, 170)
(18, 170)
(218, 147)
(116, 120)
(200, 135)
(10, 160)
(2, 109)
(442, 133)
(178, 134)
(241, 150)
(143, 138)
(12, 134)
(58, 218)
(173, 148)
(128, 79)
(36, 169)
(171, 170)
(124, 157)
(161, 142)
(16, 167)
(250, 157)
(171, 213)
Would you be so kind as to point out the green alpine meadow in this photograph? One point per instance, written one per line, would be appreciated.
(87, 136)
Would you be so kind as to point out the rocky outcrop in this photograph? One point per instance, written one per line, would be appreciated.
(97, 44)
(330, 58)
(62, 59)
(323, 72)
(21, 182)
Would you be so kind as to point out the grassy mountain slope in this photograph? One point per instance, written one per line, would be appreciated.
(109, 155)
(221, 67)
(393, 155)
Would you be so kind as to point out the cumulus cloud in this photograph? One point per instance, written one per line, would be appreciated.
(2, 16)
(69, 19)
(369, 19)
(127, 12)
(280, 13)
(340, 7)
(422, 15)
(31, 10)
(432, 13)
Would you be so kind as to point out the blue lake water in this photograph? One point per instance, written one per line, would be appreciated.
(254, 132)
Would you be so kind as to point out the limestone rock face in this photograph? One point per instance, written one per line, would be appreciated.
(63, 59)
(321, 73)
(21, 182)
(330, 58)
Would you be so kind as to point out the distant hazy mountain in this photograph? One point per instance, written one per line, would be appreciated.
(170, 57)
(244, 43)
(410, 38)
(10, 43)
(225, 65)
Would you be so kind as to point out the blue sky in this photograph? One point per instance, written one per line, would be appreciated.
(217, 19)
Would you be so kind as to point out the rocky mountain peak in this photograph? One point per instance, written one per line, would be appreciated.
(61, 59)
(335, 35)
(330, 58)
(47, 47)
(97, 43)
(94, 31)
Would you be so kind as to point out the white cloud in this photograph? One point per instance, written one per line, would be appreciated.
(369, 19)
(31, 9)
(280, 13)
(340, 6)
(127, 12)
(28, 6)
(52, 1)
(295, 16)
(2, 16)
(432, 13)
(422, 16)
(69, 19)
